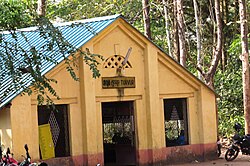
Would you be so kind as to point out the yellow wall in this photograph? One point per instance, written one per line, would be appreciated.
(157, 77)
(178, 83)
(5, 129)
(69, 92)
(209, 116)
(89, 113)
(22, 124)
(24, 120)
(143, 58)
(118, 41)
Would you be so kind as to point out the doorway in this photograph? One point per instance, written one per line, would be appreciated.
(57, 118)
(118, 133)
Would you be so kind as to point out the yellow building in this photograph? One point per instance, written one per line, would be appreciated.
(144, 109)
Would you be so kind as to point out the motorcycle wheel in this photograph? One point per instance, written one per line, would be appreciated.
(231, 154)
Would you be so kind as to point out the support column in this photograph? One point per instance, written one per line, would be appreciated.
(155, 116)
(209, 125)
(92, 154)
(23, 114)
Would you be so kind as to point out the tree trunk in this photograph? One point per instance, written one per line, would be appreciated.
(165, 4)
(198, 36)
(227, 33)
(41, 7)
(181, 33)
(175, 33)
(236, 10)
(245, 63)
(223, 53)
(146, 18)
(209, 75)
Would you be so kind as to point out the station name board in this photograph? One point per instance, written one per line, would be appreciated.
(118, 82)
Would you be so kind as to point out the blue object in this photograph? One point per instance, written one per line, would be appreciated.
(77, 36)
(181, 140)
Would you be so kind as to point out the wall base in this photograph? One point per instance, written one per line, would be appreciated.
(156, 157)
(81, 160)
(177, 154)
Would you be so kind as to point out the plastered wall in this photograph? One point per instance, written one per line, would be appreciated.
(176, 83)
(5, 130)
(157, 78)
(24, 120)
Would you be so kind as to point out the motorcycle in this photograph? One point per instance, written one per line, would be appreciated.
(7, 159)
(27, 159)
(240, 143)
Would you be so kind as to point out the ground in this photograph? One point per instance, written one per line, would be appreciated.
(241, 160)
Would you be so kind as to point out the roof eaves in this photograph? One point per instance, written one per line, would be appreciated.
(113, 17)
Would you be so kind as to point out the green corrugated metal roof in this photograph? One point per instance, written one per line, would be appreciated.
(75, 35)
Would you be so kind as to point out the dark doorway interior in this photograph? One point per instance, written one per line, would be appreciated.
(58, 119)
(119, 133)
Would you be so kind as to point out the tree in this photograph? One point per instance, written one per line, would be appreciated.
(16, 60)
(15, 15)
(227, 78)
(209, 75)
(166, 16)
(175, 32)
(146, 18)
(228, 86)
(41, 7)
(181, 33)
(198, 36)
(245, 63)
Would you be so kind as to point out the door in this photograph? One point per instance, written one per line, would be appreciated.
(119, 133)
(47, 149)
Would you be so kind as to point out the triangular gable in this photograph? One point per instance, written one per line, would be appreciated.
(75, 35)
(165, 58)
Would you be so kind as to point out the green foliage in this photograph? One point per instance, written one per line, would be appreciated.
(14, 14)
(122, 130)
(68, 10)
(228, 86)
(77, 9)
(228, 83)
(24, 66)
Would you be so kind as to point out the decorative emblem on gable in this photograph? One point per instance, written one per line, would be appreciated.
(120, 81)
(115, 61)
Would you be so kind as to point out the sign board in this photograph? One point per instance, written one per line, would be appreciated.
(118, 82)
(46, 142)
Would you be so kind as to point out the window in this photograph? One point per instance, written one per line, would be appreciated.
(176, 124)
(58, 120)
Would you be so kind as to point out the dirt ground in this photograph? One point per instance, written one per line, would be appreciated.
(241, 160)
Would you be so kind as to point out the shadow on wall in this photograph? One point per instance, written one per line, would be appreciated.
(5, 129)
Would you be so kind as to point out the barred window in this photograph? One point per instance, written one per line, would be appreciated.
(176, 122)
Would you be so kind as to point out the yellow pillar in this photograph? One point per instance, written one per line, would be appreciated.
(5, 130)
(91, 140)
(24, 115)
(155, 120)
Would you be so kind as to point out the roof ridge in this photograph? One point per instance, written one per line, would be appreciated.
(67, 23)
(77, 36)
(94, 19)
